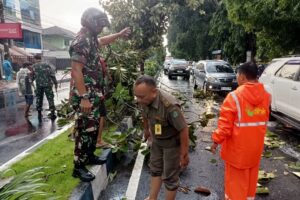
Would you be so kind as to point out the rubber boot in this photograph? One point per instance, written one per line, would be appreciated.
(81, 172)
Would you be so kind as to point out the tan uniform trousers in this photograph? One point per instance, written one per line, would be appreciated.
(164, 162)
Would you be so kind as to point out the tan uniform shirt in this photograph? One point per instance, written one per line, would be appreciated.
(164, 117)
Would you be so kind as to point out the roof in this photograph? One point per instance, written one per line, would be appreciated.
(49, 46)
(55, 30)
(16, 51)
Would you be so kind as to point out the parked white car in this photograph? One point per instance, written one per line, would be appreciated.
(282, 80)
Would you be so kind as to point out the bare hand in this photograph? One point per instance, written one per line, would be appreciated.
(125, 32)
(85, 106)
(184, 160)
(213, 148)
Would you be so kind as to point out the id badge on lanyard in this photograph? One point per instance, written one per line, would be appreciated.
(157, 129)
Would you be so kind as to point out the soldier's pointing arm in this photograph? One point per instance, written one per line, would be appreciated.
(105, 40)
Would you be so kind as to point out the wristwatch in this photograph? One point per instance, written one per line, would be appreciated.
(84, 96)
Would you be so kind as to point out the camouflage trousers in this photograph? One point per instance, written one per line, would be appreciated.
(86, 129)
(40, 96)
(86, 132)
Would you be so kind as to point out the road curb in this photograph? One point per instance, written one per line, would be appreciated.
(84, 191)
(92, 190)
(32, 148)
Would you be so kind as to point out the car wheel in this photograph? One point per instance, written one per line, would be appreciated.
(165, 72)
(187, 78)
(271, 118)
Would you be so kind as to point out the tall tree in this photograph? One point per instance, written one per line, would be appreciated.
(227, 36)
(188, 30)
(147, 19)
(276, 24)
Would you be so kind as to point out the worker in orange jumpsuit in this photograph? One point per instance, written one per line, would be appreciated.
(241, 130)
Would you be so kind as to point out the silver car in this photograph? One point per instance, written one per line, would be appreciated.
(214, 75)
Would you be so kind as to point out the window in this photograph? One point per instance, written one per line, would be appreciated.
(31, 39)
(67, 42)
(30, 11)
(219, 68)
(288, 71)
(9, 7)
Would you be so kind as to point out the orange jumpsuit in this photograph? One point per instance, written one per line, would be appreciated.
(241, 129)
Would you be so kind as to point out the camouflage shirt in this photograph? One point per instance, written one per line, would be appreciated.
(44, 75)
(85, 49)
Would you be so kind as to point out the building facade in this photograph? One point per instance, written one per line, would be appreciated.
(26, 12)
(56, 42)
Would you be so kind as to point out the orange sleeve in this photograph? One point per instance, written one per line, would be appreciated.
(228, 114)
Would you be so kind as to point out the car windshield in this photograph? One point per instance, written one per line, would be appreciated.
(178, 62)
(218, 68)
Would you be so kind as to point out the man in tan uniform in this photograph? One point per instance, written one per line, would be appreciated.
(164, 121)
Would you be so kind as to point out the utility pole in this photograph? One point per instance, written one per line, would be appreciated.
(3, 41)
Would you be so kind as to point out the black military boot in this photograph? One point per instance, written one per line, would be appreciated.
(95, 160)
(52, 115)
(40, 116)
(83, 173)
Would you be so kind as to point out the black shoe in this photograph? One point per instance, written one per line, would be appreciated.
(83, 174)
(95, 160)
(52, 117)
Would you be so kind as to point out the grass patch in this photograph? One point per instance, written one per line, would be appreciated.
(57, 156)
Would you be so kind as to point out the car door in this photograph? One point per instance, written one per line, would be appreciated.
(295, 94)
(283, 84)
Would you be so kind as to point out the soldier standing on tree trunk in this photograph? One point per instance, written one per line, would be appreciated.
(87, 95)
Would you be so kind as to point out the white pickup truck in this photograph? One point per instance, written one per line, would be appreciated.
(282, 80)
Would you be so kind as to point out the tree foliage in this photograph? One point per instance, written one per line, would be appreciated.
(146, 18)
(276, 24)
(227, 36)
(188, 30)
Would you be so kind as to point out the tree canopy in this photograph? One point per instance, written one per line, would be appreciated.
(188, 30)
(227, 36)
(276, 24)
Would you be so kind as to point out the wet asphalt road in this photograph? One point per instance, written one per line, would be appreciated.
(206, 169)
(18, 134)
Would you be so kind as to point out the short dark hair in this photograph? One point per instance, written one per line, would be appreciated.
(6, 56)
(148, 80)
(249, 69)
(26, 64)
(38, 57)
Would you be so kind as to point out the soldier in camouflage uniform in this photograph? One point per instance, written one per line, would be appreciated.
(44, 77)
(87, 93)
